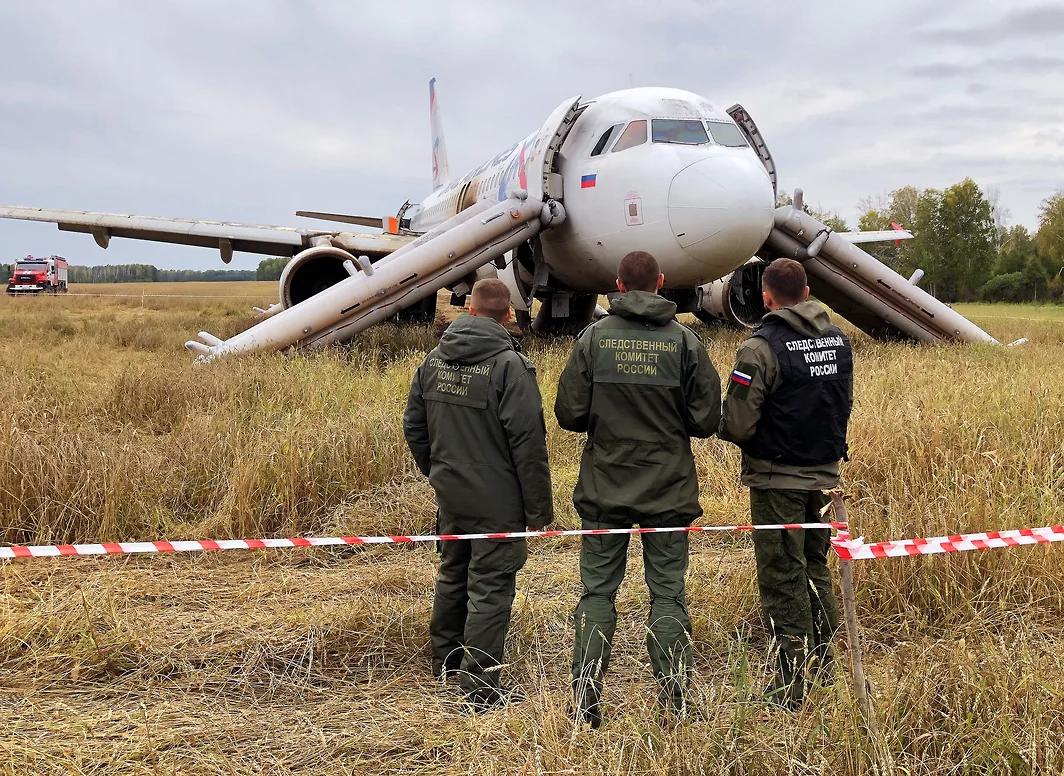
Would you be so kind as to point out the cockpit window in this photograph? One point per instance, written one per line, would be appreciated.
(726, 134)
(635, 134)
(685, 131)
(606, 139)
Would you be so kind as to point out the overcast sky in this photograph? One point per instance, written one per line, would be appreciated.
(248, 110)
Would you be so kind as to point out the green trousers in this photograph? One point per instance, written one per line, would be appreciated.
(602, 566)
(471, 610)
(797, 598)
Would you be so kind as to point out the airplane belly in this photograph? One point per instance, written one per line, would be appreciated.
(590, 264)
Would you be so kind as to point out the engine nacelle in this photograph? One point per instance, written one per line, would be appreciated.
(735, 299)
(312, 271)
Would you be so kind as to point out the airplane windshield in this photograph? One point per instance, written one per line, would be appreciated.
(606, 139)
(635, 134)
(688, 132)
(726, 134)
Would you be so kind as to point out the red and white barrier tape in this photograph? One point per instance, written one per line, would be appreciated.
(846, 548)
(203, 545)
(856, 549)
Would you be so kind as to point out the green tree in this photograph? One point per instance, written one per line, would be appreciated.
(880, 213)
(827, 217)
(1017, 250)
(966, 240)
(1012, 287)
(1056, 289)
(924, 250)
(1050, 235)
(270, 269)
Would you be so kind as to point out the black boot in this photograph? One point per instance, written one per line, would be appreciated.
(487, 699)
(444, 670)
(822, 665)
(787, 688)
(586, 704)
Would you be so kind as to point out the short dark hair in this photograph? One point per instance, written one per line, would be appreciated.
(639, 271)
(491, 298)
(785, 280)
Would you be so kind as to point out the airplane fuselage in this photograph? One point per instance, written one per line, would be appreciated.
(659, 170)
(653, 169)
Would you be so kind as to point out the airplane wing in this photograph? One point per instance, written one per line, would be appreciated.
(223, 237)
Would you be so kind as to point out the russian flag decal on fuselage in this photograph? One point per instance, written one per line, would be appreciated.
(588, 181)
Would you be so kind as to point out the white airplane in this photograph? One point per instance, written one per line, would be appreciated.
(654, 169)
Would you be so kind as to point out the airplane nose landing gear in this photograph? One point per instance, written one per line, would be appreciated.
(565, 314)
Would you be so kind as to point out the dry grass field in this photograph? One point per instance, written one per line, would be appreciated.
(316, 661)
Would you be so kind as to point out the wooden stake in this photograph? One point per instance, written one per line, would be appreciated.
(853, 637)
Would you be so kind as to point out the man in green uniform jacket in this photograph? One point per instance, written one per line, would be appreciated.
(474, 423)
(787, 407)
(641, 385)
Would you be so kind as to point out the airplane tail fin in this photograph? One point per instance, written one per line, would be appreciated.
(441, 173)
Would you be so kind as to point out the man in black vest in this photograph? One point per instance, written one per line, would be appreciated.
(787, 407)
(474, 424)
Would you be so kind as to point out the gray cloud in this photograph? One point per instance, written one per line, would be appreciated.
(252, 109)
(1022, 65)
(1037, 23)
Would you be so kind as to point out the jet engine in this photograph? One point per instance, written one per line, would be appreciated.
(312, 271)
(735, 299)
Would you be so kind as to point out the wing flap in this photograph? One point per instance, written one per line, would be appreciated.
(884, 235)
(371, 221)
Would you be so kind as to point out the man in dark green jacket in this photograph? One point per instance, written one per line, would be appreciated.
(787, 407)
(474, 423)
(641, 385)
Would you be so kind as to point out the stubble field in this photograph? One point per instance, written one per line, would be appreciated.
(316, 661)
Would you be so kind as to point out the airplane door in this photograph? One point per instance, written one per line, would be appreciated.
(467, 197)
(753, 136)
(540, 162)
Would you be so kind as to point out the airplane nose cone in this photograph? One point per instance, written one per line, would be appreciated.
(721, 210)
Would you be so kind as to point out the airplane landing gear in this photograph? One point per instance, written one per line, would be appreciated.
(565, 314)
(421, 313)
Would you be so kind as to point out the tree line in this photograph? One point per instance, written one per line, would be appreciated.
(268, 269)
(148, 273)
(965, 245)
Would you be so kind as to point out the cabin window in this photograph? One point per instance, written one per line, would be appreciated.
(606, 139)
(726, 134)
(683, 131)
(634, 135)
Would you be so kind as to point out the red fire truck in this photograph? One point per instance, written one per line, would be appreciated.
(38, 276)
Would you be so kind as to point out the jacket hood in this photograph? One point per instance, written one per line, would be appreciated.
(471, 339)
(643, 304)
(806, 317)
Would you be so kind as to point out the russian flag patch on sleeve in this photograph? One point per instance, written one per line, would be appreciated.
(741, 378)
